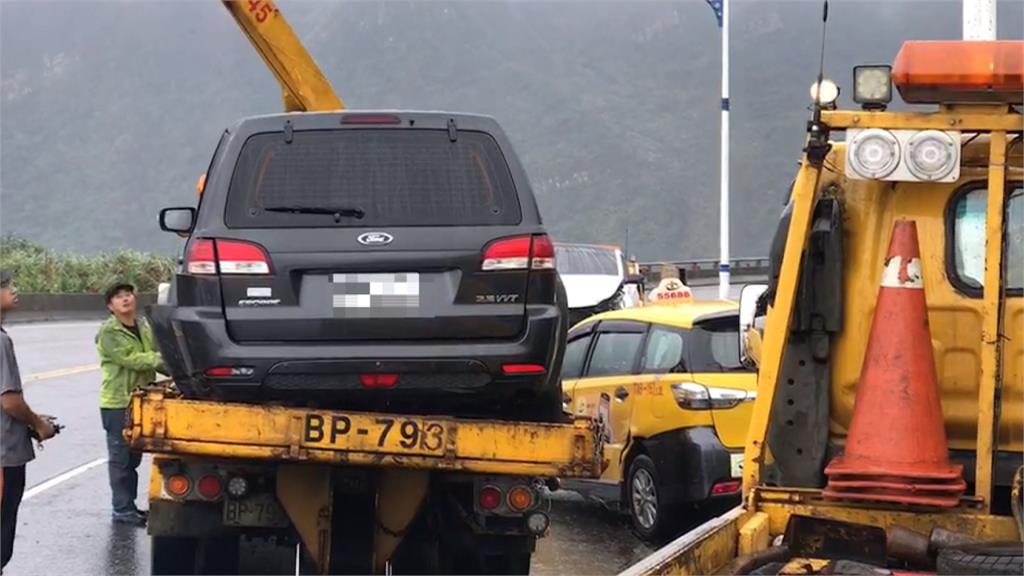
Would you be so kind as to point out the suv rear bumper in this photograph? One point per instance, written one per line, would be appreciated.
(307, 370)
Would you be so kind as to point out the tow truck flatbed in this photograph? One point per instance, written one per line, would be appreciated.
(162, 423)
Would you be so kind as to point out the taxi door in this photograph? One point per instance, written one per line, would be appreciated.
(604, 389)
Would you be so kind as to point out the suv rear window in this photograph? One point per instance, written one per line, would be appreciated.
(396, 177)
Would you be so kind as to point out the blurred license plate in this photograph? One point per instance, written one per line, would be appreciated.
(256, 510)
(362, 292)
(736, 465)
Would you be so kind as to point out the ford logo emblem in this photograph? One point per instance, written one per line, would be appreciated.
(375, 239)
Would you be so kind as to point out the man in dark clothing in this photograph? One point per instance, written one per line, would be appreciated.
(17, 421)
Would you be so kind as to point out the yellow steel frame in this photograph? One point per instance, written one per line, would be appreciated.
(164, 425)
(304, 87)
(966, 119)
(709, 548)
(778, 321)
(991, 329)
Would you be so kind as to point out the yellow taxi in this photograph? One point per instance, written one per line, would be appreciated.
(675, 400)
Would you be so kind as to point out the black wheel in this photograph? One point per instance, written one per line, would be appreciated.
(217, 555)
(647, 508)
(487, 555)
(176, 555)
(510, 563)
(995, 558)
(171, 555)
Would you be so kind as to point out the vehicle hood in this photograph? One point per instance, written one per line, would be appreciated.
(586, 290)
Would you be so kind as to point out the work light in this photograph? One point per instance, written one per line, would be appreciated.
(872, 86)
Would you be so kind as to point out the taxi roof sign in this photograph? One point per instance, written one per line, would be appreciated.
(670, 291)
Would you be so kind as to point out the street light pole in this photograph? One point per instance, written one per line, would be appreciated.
(723, 214)
(979, 19)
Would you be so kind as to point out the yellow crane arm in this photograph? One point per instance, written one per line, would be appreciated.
(305, 87)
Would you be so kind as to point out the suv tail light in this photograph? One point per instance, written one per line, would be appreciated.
(543, 253)
(519, 253)
(234, 257)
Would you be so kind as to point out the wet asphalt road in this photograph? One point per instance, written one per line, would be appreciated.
(64, 524)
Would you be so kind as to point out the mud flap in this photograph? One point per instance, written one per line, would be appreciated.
(305, 492)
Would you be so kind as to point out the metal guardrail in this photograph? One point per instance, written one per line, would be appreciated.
(690, 270)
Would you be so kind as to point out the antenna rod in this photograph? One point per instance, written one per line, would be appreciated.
(821, 64)
(979, 19)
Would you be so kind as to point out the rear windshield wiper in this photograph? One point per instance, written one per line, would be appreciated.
(337, 211)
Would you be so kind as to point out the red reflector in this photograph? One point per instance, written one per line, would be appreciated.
(235, 257)
(228, 371)
(490, 497)
(210, 487)
(727, 487)
(522, 369)
(370, 119)
(379, 380)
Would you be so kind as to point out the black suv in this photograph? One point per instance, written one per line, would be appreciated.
(384, 260)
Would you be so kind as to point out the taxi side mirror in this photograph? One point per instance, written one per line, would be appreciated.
(751, 325)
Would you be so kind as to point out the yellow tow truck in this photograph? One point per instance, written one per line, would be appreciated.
(952, 169)
(273, 489)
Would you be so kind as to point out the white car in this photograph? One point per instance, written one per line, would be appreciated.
(595, 279)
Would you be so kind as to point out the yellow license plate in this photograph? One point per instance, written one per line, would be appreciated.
(364, 433)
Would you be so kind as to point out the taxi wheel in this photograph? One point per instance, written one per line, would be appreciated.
(647, 510)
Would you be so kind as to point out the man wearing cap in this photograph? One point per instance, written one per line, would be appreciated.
(128, 359)
(17, 421)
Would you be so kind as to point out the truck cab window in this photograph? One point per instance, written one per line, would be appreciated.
(969, 239)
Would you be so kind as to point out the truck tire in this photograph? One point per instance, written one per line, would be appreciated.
(511, 563)
(644, 500)
(181, 555)
(995, 558)
(172, 555)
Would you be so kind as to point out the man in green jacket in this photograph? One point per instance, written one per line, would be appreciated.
(128, 359)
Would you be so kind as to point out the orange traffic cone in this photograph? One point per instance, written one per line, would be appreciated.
(896, 448)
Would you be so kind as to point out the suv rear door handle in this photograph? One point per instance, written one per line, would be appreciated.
(621, 393)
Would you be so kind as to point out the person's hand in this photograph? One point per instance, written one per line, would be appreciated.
(44, 427)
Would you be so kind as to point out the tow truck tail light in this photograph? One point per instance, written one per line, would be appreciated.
(234, 257)
(520, 498)
(178, 485)
(960, 72)
(210, 487)
(519, 253)
(489, 497)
